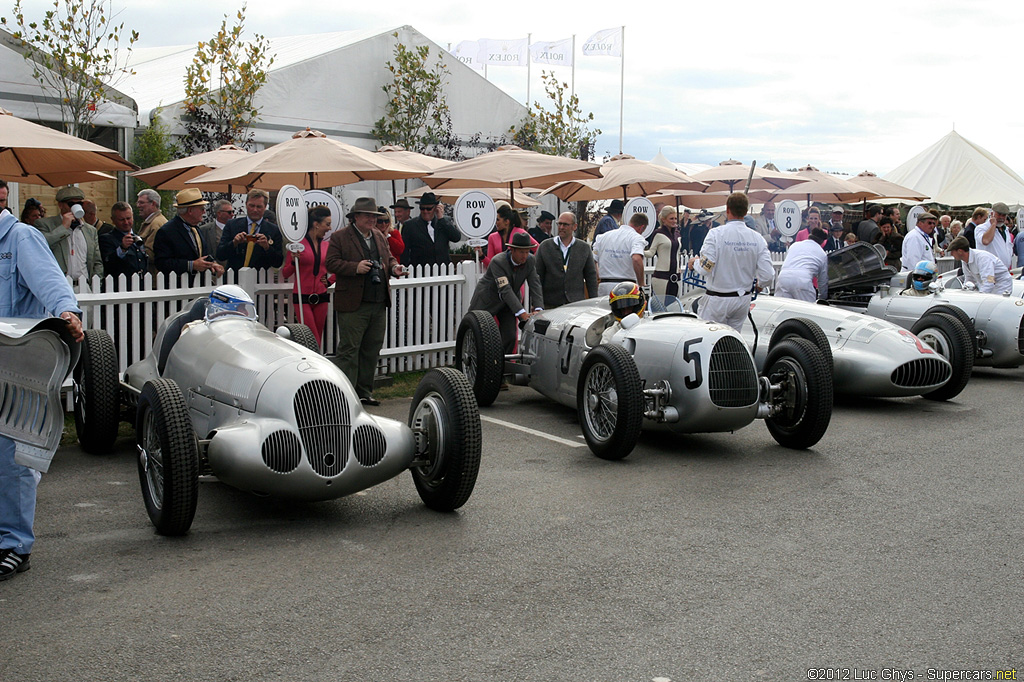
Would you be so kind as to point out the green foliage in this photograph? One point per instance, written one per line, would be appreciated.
(74, 52)
(221, 86)
(416, 114)
(153, 146)
(561, 130)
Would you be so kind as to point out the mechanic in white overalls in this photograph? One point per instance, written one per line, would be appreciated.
(733, 256)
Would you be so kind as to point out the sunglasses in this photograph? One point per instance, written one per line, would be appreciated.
(381, 221)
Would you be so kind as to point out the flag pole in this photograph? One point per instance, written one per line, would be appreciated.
(622, 84)
(529, 58)
(573, 90)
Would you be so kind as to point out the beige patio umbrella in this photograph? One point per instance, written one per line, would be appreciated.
(625, 176)
(692, 199)
(824, 187)
(173, 174)
(511, 167)
(414, 159)
(885, 189)
(35, 154)
(450, 196)
(310, 160)
(733, 176)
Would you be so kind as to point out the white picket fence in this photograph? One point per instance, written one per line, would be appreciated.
(426, 309)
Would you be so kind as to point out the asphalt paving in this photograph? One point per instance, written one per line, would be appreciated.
(894, 545)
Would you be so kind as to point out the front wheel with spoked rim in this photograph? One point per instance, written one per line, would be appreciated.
(168, 457)
(610, 402)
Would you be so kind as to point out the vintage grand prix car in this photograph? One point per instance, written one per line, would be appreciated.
(668, 371)
(221, 394)
(871, 357)
(860, 281)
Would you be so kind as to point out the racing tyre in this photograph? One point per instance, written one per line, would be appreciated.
(302, 335)
(964, 318)
(168, 457)
(97, 393)
(610, 402)
(480, 356)
(446, 426)
(803, 328)
(805, 400)
(950, 339)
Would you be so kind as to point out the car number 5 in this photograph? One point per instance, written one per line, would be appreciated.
(694, 357)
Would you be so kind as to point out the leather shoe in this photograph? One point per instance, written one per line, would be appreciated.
(371, 402)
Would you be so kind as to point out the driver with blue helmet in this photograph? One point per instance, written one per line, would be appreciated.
(919, 278)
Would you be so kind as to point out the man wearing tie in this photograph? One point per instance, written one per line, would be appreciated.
(427, 237)
(178, 245)
(253, 241)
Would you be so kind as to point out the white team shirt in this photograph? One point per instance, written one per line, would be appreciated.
(1001, 246)
(806, 260)
(987, 272)
(917, 246)
(733, 255)
(614, 251)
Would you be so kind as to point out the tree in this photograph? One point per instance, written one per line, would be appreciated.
(416, 114)
(221, 86)
(74, 52)
(563, 130)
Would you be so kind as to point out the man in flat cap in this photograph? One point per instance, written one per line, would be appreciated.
(982, 268)
(74, 242)
(427, 237)
(178, 245)
(542, 230)
(919, 245)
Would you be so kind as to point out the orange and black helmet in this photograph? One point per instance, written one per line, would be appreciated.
(626, 298)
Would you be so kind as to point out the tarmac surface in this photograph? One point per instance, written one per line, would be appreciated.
(894, 545)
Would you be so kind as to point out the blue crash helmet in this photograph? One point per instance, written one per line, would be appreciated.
(923, 274)
(230, 300)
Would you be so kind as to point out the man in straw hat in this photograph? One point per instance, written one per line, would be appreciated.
(360, 258)
(428, 236)
(499, 289)
(178, 245)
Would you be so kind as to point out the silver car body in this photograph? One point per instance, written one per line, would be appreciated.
(275, 417)
(711, 374)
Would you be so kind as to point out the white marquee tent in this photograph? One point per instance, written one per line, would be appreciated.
(956, 172)
(330, 82)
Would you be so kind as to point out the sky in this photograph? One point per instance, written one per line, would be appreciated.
(843, 86)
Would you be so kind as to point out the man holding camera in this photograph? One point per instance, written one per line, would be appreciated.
(359, 257)
(123, 251)
(74, 242)
(253, 241)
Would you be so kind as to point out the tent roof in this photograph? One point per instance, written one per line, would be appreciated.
(956, 172)
(327, 81)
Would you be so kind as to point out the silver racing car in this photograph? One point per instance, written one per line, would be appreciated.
(264, 412)
(666, 371)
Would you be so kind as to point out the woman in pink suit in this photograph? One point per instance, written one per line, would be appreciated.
(506, 225)
(313, 275)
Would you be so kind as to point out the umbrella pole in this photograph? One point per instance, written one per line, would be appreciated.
(394, 194)
(511, 195)
(298, 286)
(750, 178)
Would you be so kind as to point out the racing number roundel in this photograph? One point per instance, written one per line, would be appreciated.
(475, 214)
(291, 213)
(787, 218)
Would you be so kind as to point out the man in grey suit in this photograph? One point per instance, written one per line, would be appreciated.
(498, 290)
(565, 264)
(223, 211)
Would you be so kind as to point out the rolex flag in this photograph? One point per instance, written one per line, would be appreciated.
(558, 53)
(606, 42)
(468, 52)
(504, 52)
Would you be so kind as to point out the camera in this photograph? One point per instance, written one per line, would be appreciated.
(375, 271)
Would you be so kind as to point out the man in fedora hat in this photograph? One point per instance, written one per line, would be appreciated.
(611, 220)
(403, 211)
(253, 241)
(73, 241)
(427, 237)
(360, 258)
(498, 290)
(542, 230)
(178, 245)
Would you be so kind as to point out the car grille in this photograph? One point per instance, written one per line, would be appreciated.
(282, 451)
(321, 411)
(922, 372)
(732, 379)
(368, 445)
